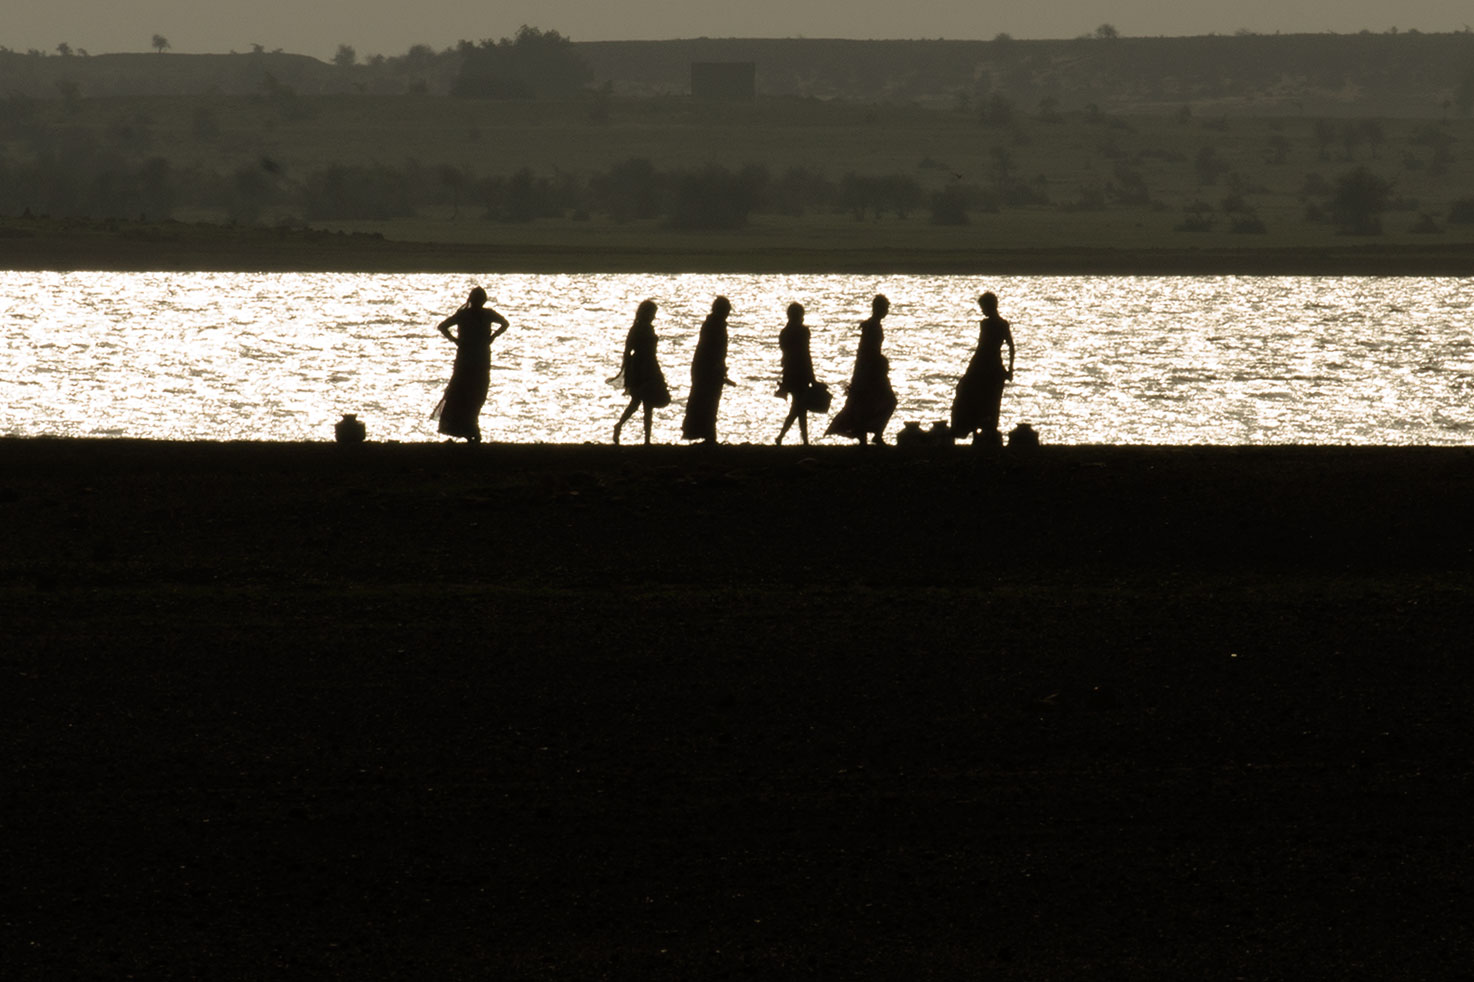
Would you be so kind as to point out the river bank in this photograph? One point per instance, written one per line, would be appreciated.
(530, 711)
(68, 245)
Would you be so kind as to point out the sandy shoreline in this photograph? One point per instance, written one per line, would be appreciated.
(534, 711)
(43, 245)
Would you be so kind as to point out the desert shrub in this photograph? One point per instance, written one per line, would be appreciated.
(949, 206)
(285, 100)
(89, 185)
(19, 116)
(1020, 193)
(800, 190)
(1247, 223)
(1358, 201)
(1208, 166)
(629, 190)
(1464, 93)
(982, 199)
(342, 192)
(1091, 198)
(135, 134)
(1198, 217)
(1157, 153)
(997, 111)
(1128, 187)
(862, 194)
(520, 198)
(1233, 202)
(1439, 143)
(1425, 225)
(204, 125)
(710, 198)
(1324, 135)
(250, 188)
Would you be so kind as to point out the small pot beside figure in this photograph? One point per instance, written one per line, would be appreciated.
(349, 430)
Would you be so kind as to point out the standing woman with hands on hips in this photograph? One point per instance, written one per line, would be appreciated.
(459, 410)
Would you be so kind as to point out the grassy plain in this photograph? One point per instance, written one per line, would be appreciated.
(1101, 184)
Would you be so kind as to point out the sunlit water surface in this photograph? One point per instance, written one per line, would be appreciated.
(1101, 359)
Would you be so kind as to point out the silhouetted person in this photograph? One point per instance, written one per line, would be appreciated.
(708, 375)
(797, 381)
(870, 400)
(643, 380)
(460, 409)
(980, 391)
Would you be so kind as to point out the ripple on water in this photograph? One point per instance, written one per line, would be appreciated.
(1100, 359)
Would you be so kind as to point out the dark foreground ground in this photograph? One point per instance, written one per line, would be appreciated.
(452, 712)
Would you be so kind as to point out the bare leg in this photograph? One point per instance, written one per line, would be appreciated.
(649, 413)
(795, 412)
(628, 412)
(803, 426)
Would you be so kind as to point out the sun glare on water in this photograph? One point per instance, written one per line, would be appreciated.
(1170, 360)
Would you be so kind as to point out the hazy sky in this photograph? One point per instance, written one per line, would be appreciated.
(317, 27)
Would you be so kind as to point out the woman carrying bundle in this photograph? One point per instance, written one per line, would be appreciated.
(797, 381)
(639, 371)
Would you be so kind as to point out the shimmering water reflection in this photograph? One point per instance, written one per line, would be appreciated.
(1230, 360)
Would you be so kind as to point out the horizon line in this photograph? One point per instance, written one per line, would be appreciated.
(1002, 38)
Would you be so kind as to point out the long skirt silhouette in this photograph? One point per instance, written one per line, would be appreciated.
(870, 401)
(700, 422)
(866, 409)
(708, 376)
(979, 395)
(460, 410)
(639, 374)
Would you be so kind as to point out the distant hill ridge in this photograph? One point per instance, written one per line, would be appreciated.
(1310, 74)
(1377, 74)
(101, 76)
